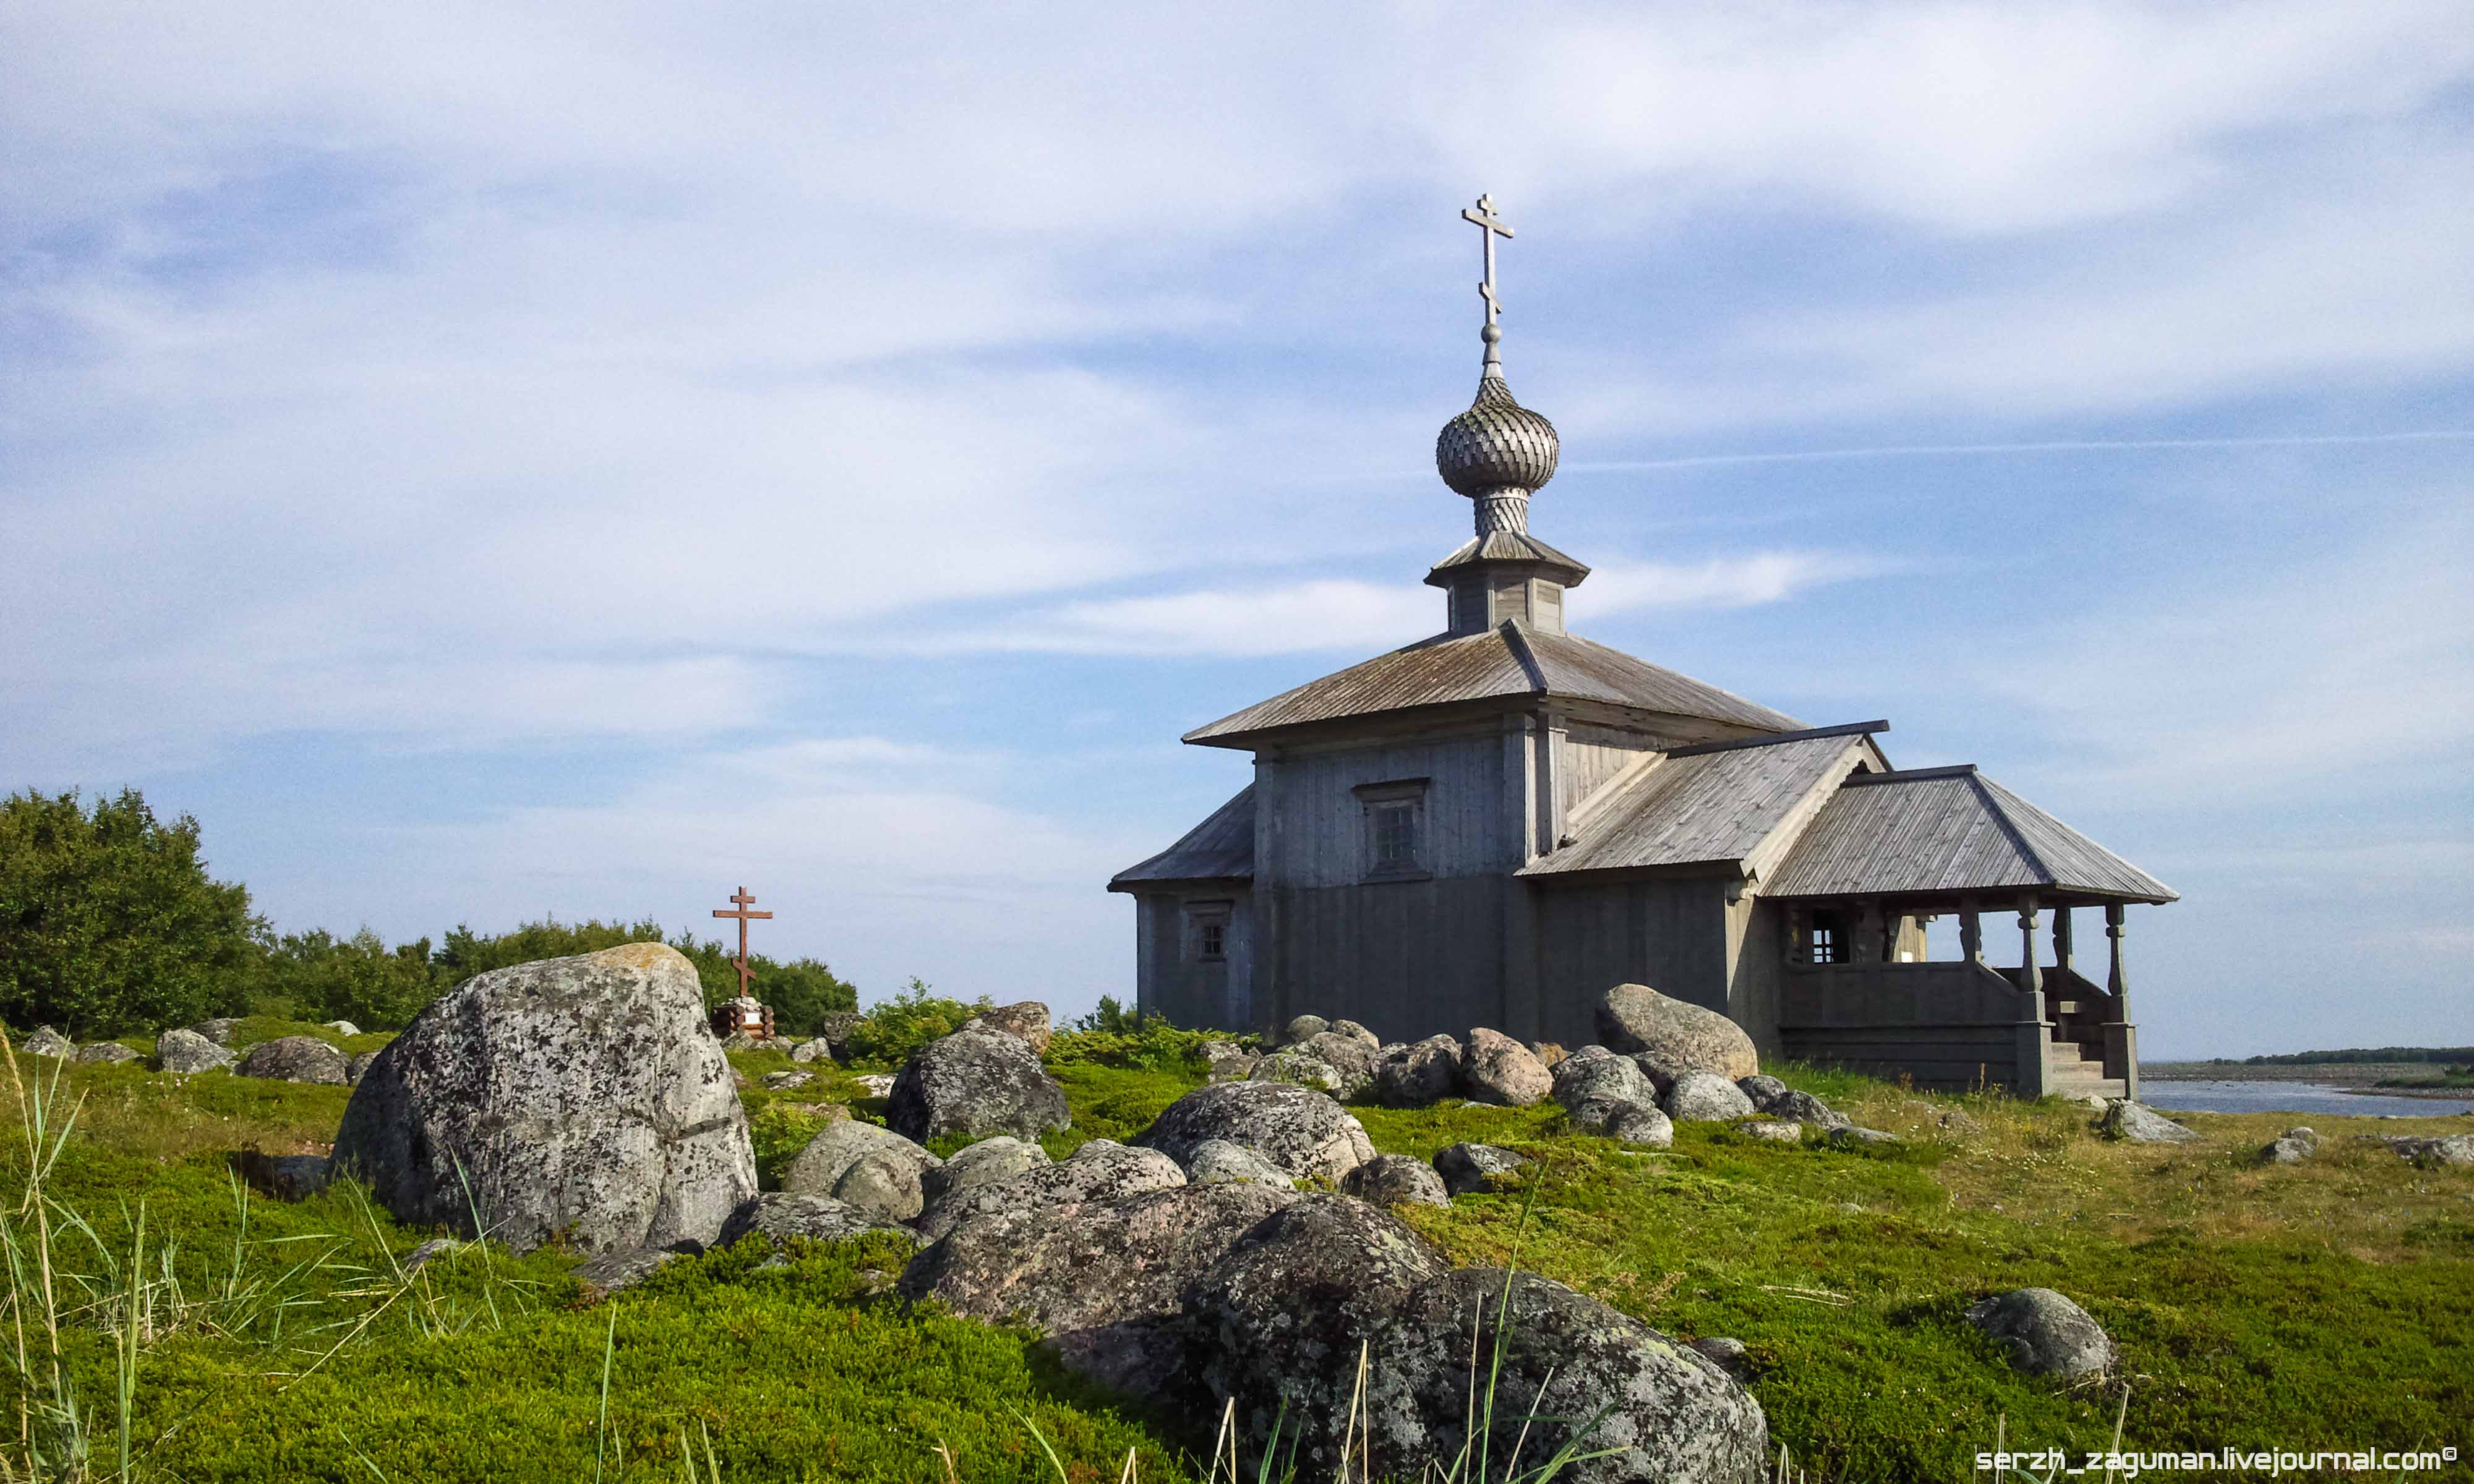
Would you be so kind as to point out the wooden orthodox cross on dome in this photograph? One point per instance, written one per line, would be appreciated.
(1490, 228)
(745, 917)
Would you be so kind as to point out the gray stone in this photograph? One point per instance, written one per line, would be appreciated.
(1298, 1129)
(1594, 1088)
(1299, 1068)
(2042, 1333)
(286, 1176)
(1395, 1180)
(1643, 1128)
(1026, 1022)
(613, 1272)
(742, 1041)
(1853, 1137)
(875, 1084)
(297, 1059)
(359, 1067)
(578, 1097)
(2455, 1150)
(187, 1051)
(1957, 1124)
(2291, 1147)
(1351, 1028)
(342, 1027)
(105, 1053)
(1347, 1055)
(1635, 1018)
(881, 1186)
(1660, 1072)
(1475, 1167)
(430, 1252)
(2127, 1120)
(815, 1048)
(976, 1081)
(1228, 1062)
(834, 1028)
(780, 1217)
(1419, 1074)
(1302, 1027)
(1002, 1157)
(1804, 1108)
(1099, 1172)
(1707, 1097)
(1495, 1068)
(1217, 1161)
(784, 1081)
(47, 1041)
(1556, 1359)
(1772, 1130)
(1279, 1320)
(1760, 1089)
(1149, 1358)
(220, 1030)
(1726, 1350)
(819, 1167)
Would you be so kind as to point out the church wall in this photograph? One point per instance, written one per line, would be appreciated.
(1756, 934)
(1322, 839)
(1170, 976)
(1670, 935)
(1588, 756)
(1406, 959)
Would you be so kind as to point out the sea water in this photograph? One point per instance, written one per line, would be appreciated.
(2301, 1097)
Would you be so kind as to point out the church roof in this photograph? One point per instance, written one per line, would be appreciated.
(1508, 546)
(1510, 659)
(1942, 831)
(1222, 848)
(1700, 805)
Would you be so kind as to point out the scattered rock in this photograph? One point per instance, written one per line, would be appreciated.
(47, 1041)
(1355, 1031)
(1707, 1097)
(430, 1252)
(833, 1030)
(1548, 1052)
(1853, 1137)
(1395, 1180)
(876, 1084)
(581, 1097)
(359, 1067)
(2291, 1147)
(885, 1187)
(1664, 1410)
(613, 1272)
(778, 1217)
(1099, 1172)
(983, 1163)
(286, 1176)
(1217, 1161)
(1760, 1088)
(1635, 1018)
(1026, 1023)
(1419, 1073)
(1298, 1068)
(187, 1051)
(784, 1081)
(297, 1059)
(342, 1027)
(1774, 1131)
(818, 1168)
(1594, 1084)
(1780, 1101)
(1302, 1027)
(1302, 1131)
(2042, 1333)
(815, 1048)
(1495, 1068)
(741, 1040)
(1227, 1061)
(2124, 1119)
(220, 1031)
(1726, 1352)
(976, 1081)
(1474, 1167)
(1660, 1072)
(105, 1053)
(1958, 1125)
(1349, 1055)
(2454, 1150)
(1281, 1317)
(1646, 1128)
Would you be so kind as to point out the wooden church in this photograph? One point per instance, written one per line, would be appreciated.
(1493, 825)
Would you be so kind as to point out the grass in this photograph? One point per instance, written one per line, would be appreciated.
(2330, 1302)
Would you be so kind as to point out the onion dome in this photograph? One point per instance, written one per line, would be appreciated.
(1496, 446)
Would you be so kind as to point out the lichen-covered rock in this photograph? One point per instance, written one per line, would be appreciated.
(1357, 1032)
(1279, 1320)
(1347, 1055)
(985, 1162)
(1594, 1085)
(785, 1080)
(2042, 1333)
(1228, 1062)
(1556, 1359)
(1465, 1168)
(1772, 1130)
(581, 1097)
(2134, 1123)
(833, 1028)
(47, 1041)
(815, 1048)
(1495, 1068)
(105, 1053)
(359, 1067)
(1549, 1053)
(219, 1030)
(297, 1059)
(1298, 1129)
(1217, 1161)
(615, 1272)
(187, 1051)
(1728, 1352)
(1642, 1128)
(1854, 1137)
(1760, 1089)
(818, 1168)
(778, 1217)
(1302, 1027)
(1419, 1073)
(1635, 1018)
(1395, 1180)
(1298, 1067)
(1707, 1097)
(1797, 1106)
(976, 1081)
(1662, 1073)
(2290, 1147)
(1096, 1173)
(882, 1186)
(875, 1084)
(2454, 1150)
(1026, 1022)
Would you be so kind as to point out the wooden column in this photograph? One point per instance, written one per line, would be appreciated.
(2120, 1040)
(2062, 954)
(1971, 932)
(2031, 978)
(2115, 983)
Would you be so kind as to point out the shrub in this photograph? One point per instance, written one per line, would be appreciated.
(316, 976)
(108, 921)
(915, 1016)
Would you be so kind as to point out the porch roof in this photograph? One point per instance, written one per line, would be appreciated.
(1945, 832)
(1698, 806)
(1220, 848)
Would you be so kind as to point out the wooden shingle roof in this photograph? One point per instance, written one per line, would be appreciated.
(1943, 831)
(1511, 660)
(1701, 807)
(1220, 848)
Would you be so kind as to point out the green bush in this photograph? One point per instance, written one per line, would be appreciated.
(108, 921)
(895, 1028)
(316, 976)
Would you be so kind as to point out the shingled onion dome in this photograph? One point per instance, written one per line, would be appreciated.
(1498, 453)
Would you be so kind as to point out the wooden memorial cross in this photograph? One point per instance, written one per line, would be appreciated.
(1489, 227)
(745, 917)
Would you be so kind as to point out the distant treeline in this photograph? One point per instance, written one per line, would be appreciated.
(2441, 1053)
(110, 925)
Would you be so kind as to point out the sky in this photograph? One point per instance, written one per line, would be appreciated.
(488, 462)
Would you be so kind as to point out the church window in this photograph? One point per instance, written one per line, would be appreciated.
(1829, 946)
(1395, 828)
(1395, 836)
(1206, 931)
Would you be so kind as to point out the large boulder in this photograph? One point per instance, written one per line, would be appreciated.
(1302, 1131)
(2137, 1124)
(842, 1145)
(297, 1059)
(2290, 1147)
(1302, 1026)
(780, 1217)
(1495, 1068)
(1643, 1128)
(1395, 1180)
(580, 1097)
(1357, 1032)
(1707, 1097)
(47, 1041)
(1228, 1062)
(1299, 1068)
(1594, 1084)
(1419, 1073)
(1553, 1359)
(833, 1035)
(1096, 1173)
(1347, 1055)
(221, 1030)
(187, 1051)
(2042, 1333)
(1026, 1023)
(105, 1053)
(1280, 1319)
(1794, 1105)
(983, 1163)
(976, 1081)
(1217, 1161)
(1635, 1018)
(1469, 1168)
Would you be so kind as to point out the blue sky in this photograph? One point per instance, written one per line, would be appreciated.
(486, 462)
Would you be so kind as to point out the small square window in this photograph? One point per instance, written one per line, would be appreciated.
(1395, 828)
(1395, 836)
(1215, 940)
(1825, 945)
(1206, 931)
